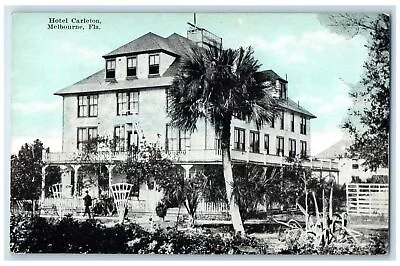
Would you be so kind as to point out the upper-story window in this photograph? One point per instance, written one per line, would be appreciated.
(127, 103)
(177, 140)
(110, 69)
(280, 145)
(303, 125)
(87, 105)
(282, 126)
(292, 123)
(84, 135)
(154, 64)
(254, 141)
(119, 137)
(292, 151)
(239, 139)
(273, 121)
(131, 63)
(303, 152)
(217, 141)
(282, 90)
(266, 143)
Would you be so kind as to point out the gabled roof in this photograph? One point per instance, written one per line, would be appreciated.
(146, 43)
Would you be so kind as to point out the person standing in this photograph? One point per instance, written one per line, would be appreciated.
(88, 202)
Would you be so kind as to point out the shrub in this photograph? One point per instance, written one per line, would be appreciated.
(38, 235)
(299, 243)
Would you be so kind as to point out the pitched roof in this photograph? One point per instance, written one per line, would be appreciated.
(295, 107)
(97, 83)
(175, 44)
(146, 43)
(336, 150)
(269, 75)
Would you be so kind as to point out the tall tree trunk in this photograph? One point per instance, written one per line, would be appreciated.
(233, 204)
(228, 176)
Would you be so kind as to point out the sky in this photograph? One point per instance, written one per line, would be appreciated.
(319, 64)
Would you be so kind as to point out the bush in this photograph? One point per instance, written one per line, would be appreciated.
(300, 243)
(38, 235)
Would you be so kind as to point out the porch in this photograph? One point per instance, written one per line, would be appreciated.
(201, 156)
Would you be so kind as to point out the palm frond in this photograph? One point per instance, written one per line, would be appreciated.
(216, 84)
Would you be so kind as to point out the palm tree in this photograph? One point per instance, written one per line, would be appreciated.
(216, 85)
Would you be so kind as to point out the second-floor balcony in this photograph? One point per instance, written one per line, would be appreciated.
(201, 156)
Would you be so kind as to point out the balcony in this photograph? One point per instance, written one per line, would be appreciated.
(77, 157)
(202, 156)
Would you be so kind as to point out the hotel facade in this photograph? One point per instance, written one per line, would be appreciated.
(127, 101)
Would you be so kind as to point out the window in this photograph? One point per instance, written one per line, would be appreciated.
(127, 103)
(280, 145)
(292, 123)
(354, 166)
(131, 66)
(254, 141)
(110, 69)
(273, 121)
(303, 125)
(282, 90)
(84, 135)
(282, 120)
(87, 106)
(171, 138)
(177, 140)
(119, 138)
(239, 138)
(217, 142)
(266, 143)
(303, 152)
(154, 64)
(292, 151)
(184, 141)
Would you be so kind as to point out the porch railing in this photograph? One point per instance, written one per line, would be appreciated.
(189, 156)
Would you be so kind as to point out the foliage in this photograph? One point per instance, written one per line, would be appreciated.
(53, 176)
(300, 243)
(216, 85)
(26, 171)
(369, 120)
(38, 235)
(374, 179)
(263, 188)
(214, 191)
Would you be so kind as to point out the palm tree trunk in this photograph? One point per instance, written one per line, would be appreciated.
(233, 205)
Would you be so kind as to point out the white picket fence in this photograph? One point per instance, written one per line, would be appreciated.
(212, 207)
(367, 199)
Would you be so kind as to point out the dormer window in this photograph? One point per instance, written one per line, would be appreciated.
(131, 66)
(154, 64)
(110, 69)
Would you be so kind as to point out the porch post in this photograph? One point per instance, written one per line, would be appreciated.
(187, 169)
(76, 168)
(43, 182)
(110, 167)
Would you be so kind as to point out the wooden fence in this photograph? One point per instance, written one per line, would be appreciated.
(367, 199)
